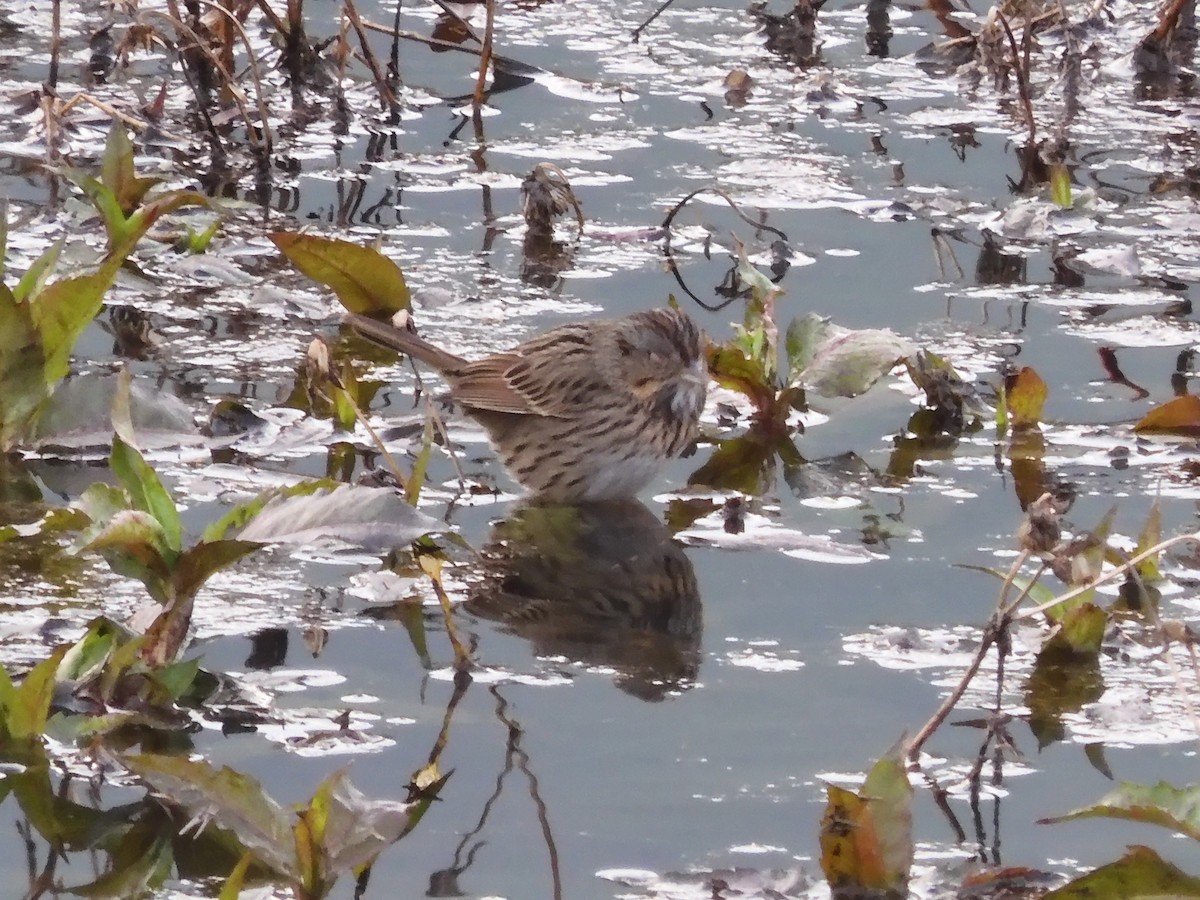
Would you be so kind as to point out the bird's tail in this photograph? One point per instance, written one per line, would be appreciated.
(406, 342)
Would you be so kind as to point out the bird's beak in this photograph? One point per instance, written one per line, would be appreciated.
(696, 374)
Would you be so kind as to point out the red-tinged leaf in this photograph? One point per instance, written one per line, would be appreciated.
(866, 838)
(364, 280)
(1180, 416)
(1140, 873)
(1025, 396)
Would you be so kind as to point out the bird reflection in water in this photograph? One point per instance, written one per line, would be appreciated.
(602, 584)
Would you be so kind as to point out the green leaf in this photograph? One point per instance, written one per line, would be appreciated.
(1177, 809)
(1151, 535)
(133, 544)
(87, 655)
(236, 518)
(416, 478)
(804, 335)
(364, 280)
(349, 514)
(126, 238)
(146, 492)
(30, 704)
(1080, 632)
(200, 562)
(733, 369)
(1025, 397)
(22, 370)
(847, 363)
(177, 678)
(1060, 186)
(1141, 874)
(230, 799)
(117, 171)
(138, 865)
(33, 280)
(61, 312)
(353, 829)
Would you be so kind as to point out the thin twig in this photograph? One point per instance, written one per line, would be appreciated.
(485, 55)
(1104, 577)
(637, 32)
(387, 100)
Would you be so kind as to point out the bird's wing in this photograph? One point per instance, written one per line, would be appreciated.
(527, 384)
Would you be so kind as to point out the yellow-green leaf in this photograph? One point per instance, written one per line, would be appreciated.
(1180, 416)
(363, 279)
(1025, 397)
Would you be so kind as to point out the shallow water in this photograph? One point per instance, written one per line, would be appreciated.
(804, 666)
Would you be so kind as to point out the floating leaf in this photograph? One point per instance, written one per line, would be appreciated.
(1180, 416)
(364, 280)
(1025, 397)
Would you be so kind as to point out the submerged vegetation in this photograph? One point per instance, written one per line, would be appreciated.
(157, 187)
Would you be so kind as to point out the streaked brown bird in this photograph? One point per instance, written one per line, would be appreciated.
(588, 411)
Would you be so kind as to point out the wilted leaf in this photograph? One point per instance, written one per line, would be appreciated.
(166, 638)
(355, 829)
(1141, 874)
(230, 799)
(846, 363)
(1179, 416)
(1025, 397)
(364, 280)
(866, 838)
(368, 517)
(1160, 804)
